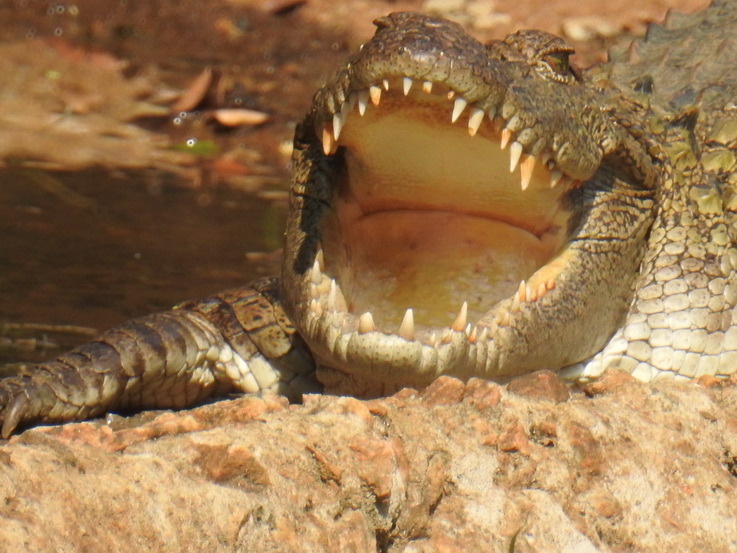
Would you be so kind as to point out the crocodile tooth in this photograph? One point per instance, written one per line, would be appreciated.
(484, 335)
(513, 308)
(427, 87)
(375, 94)
(542, 289)
(451, 94)
(472, 335)
(525, 168)
(492, 112)
(332, 297)
(315, 274)
(460, 323)
(520, 296)
(366, 323)
(522, 291)
(515, 152)
(550, 284)
(337, 125)
(407, 328)
(447, 336)
(474, 120)
(545, 157)
(458, 107)
(348, 105)
(406, 85)
(316, 306)
(352, 99)
(385, 82)
(434, 339)
(555, 176)
(362, 99)
(329, 146)
(467, 330)
(506, 137)
(320, 258)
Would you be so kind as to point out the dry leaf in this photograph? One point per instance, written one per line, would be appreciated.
(194, 94)
(237, 117)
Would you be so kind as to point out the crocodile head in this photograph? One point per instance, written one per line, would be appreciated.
(456, 208)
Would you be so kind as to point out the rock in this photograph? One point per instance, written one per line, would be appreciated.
(540, 385)
(444, 391)
(457, 467)
(589, 27)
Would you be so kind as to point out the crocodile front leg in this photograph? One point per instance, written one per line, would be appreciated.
(238, 340)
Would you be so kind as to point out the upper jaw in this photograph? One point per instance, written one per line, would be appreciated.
(561, 124)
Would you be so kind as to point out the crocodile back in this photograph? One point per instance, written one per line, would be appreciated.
(687, 61)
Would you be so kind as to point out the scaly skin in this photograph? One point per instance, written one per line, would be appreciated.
(417, 246)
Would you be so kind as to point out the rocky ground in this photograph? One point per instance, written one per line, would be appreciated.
(528, 467)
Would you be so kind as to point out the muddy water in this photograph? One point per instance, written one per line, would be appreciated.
(94, 248)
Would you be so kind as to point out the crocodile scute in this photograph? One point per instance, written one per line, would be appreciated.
(467, 209)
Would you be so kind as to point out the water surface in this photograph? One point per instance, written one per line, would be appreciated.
(94, 248)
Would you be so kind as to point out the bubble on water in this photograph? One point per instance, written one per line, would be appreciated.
(191, 142)
(58, 31)
(179, 119)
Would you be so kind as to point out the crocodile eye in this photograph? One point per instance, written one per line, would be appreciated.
(559, 62)
(556, 65)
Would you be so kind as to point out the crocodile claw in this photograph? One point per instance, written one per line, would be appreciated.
(15, 412)
(16, 405)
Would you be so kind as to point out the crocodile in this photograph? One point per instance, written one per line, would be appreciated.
(466, 209)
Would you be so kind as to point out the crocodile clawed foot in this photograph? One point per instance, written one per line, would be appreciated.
(14, 405)
(15, 412)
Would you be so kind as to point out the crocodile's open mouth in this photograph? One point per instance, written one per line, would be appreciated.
(459, 208)
(438, 214)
